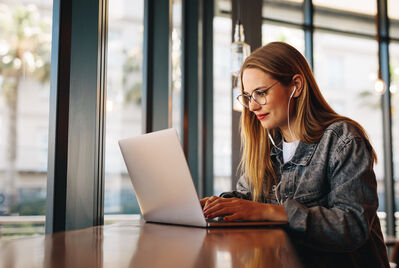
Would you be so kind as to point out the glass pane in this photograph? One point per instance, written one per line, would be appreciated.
(176, 66)
(222, 104)
(368, 7)
(223, 8)
(393, 14)
(285, 10)
(292, 36)
(353, 16)
(25, 44)
(346, 69)
(394, 68)
(124, 89)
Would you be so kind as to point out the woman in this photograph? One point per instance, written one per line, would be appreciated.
(302, 162)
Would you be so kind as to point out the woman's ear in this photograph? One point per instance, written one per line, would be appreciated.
(298, 83)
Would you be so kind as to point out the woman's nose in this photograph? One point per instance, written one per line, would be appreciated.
(253, 106)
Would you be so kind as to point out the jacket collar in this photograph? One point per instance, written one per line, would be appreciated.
(303, 154)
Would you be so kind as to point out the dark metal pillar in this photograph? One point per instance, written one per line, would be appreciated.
(156, 86)
(190, 87)
(308, 29)
(207, 97)
(75, 182)
(383, 57)
(197, 81)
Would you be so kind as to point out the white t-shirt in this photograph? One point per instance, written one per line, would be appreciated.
(289, 150)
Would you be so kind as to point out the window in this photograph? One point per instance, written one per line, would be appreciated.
(124, 89)
(292, 36)
(222, 101)
(346, 69)
(278, 20)
(354, 16)
(283, 10)
(393, 14)
(25, 52)
(176, 65)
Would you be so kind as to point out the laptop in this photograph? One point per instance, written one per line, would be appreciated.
(163, 184)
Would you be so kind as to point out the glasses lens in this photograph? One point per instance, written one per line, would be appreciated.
(243, 100)
(259, 97)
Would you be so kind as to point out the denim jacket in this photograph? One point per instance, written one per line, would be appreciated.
(329, 192)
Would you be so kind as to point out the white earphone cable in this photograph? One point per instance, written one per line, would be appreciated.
(288, 113)
(272, 141)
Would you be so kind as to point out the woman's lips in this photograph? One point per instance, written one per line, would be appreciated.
(261, 116)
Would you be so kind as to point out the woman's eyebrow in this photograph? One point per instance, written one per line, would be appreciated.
(262, 87)
(258, 88)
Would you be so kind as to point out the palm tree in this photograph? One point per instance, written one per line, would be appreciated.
(25, 43)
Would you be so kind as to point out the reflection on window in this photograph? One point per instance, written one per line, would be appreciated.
(25, 43)
(222, 104)
(124, 89)
(346, 69)
(292, 36)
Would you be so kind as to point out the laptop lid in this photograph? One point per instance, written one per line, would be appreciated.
(161, 178)
(163, 184)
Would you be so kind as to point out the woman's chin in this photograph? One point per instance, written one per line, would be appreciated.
(267, 125)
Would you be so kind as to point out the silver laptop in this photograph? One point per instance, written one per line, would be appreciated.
(162, 181)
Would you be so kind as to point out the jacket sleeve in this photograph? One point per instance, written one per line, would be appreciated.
(346, 223)
(242, 191)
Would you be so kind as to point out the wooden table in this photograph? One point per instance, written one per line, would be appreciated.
(139, 244)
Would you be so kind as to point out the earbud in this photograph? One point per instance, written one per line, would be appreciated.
(293, 91)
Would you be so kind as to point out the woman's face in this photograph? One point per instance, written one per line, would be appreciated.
(274, 113)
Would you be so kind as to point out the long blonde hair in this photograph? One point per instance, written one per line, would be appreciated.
(313, 114)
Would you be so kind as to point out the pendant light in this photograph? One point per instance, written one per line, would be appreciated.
(239, 52)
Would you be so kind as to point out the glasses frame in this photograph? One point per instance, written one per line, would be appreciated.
(251, 97)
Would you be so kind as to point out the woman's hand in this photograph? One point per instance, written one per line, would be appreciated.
(240, 209)
(205, 199)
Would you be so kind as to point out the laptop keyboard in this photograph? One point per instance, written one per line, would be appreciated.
(220, 219)
(217, 219)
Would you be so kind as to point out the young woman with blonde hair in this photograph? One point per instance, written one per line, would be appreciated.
(302, 162)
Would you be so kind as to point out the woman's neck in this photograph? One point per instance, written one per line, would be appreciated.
(287, 135)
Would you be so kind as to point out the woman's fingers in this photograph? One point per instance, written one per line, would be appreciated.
(210, 201)
(219, 207)
(233, 217)
(239, 209)
(220, 211)
(203, 201)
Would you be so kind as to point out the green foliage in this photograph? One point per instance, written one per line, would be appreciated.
(131, 80)
(282, 38)
(31, 207)
(131, 65)
(134, 93)
(370, 100)
(25, 44)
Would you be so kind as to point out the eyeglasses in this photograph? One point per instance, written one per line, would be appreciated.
(258, 95)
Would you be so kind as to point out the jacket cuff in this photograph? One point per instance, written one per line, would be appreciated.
(235, 194)
(297, 215)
